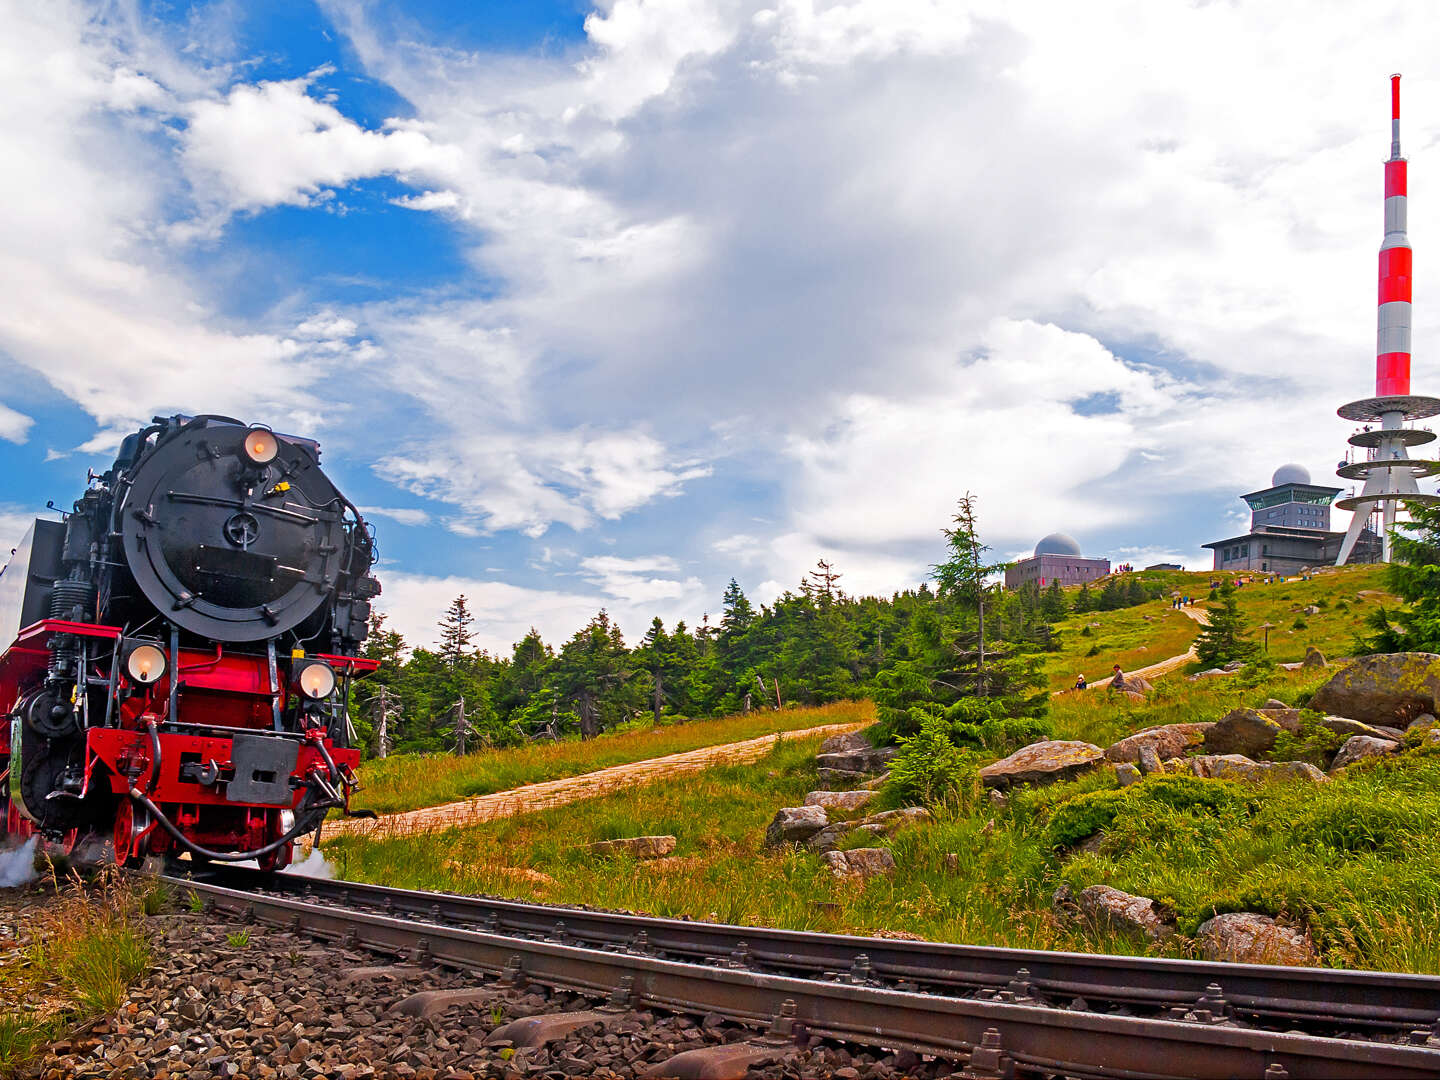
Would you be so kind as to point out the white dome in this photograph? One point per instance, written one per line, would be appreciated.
(1290, 474)
(1057, 544)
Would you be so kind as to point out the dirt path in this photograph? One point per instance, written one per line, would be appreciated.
(548, 793)
(1164, 667)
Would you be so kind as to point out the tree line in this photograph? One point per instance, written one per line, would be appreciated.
(962, 637)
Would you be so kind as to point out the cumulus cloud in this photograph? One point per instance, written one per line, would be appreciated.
(274, 144)
(639, 581)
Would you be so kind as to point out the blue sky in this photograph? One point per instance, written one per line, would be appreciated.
(603, 305)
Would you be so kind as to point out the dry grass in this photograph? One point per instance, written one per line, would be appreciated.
(410, 781)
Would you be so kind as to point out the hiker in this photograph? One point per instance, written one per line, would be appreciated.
(1080, 681)
(1117, 678)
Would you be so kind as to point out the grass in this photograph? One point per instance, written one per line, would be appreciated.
(409, 781)
(1356, 860)
(1131, 637)
(84, 951)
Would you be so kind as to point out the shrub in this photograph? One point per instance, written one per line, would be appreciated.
(1003, 734)
(1086, 631)
(1084, 815)
(1094, 651)
(930, 769)
(1313, 742)
(1300, 624)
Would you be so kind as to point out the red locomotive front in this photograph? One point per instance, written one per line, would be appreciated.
(181, 650)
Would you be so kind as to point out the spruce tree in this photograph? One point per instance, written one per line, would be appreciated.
(1414, 576)
(455, 632)
(1054, 605)
(1224, 639)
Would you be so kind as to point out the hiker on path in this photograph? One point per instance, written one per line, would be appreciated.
(1080, 681)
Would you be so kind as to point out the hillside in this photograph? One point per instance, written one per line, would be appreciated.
(1349, 865)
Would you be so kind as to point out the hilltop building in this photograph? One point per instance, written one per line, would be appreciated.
(1057, 558)
(1289, 528)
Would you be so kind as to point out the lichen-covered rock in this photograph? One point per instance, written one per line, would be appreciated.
(859, 863)
(1239, 767)
(795, 824)
(1387, 688)
(1126, 774)
(1171, 740)
(1313, 658)
(1343, 725)
(839, 800)
(1149, 761)
(1360, 747)
(854, 764)
(881, 824)
(890, 820)
(828, 838)
(839, 744)
(1421, 721)
(641, 847)
(1043, 763)
(1287, 718)
(1124, 912)
(1243, 937)
(1242, 731)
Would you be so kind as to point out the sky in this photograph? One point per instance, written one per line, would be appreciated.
(600, 307)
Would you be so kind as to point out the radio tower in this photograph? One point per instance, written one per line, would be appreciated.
(1389, 473)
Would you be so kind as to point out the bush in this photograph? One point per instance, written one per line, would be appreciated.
(1313, 742)
(1084, 815)
(1001, 735)
(1086, 631)
(1094, 651)
(931, 770)
(1300, 624)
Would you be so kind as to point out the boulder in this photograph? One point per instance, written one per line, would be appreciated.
(839, 744)
(854, 764)
(1360, 747)
(1273, 703)
(1387, 688)
(881, 824)
(1243, 937)
(1242, 731)
(1313, 658)
(1149, 761)
(1343, 725)
(1233, 666)
(1169, 741)
(1131, 684)
(859, 863)
(795, 824)
(839, 800)
(1210, 673)
(1287, 718)
(1311, 609)
(1043, 763)
(641, 847)
(1423, 720)
(1239, 767)
(1126, 774)
(828, 838)
(1121, 911)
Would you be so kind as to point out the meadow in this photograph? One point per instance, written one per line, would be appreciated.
(408, 781)
(1357, 860)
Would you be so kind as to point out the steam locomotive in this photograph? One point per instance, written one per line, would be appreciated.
(179, 650)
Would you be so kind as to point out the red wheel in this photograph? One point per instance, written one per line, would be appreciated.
(276, 860)
(130, 825)
(71, 842)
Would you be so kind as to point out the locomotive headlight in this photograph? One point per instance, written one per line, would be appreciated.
(145, 663)
(260, 446)
(316, 680)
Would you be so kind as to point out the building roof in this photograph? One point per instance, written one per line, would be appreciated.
(1057, 543)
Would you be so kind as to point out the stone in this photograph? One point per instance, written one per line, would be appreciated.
(1360, 747)
(839, 800)
(859, 863)
(795, 824)
(1311, 609)
(1343, 725)
(1131, 684)
(1313, 658)
(1287, 718)
(1273, 703)
(1123, 911)
(1387, 688)
(828, 838)
(1210, 673)
(1233, 666)
(890, 820)
(840, 744)
(1242, 731)
(1126, 774)
(1149, 760)
(1421, 721)
(640, 847)
(1043, 763)
(855, 764)
(1243, 937)
(1171, 740)
(1239, 767)
(881, 824)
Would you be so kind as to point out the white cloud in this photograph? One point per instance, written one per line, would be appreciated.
(429, 200)
(274, 143)
(14, 426)
(401, 515)
(639, 581)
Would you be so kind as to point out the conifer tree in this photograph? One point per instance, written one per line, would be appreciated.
(1054, 606)
(455, 632)
(1224, 640)
(1414, 576)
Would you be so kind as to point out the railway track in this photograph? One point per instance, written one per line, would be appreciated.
(997, 1010)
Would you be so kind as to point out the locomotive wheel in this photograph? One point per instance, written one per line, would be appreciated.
(130, 823)
(275, 860)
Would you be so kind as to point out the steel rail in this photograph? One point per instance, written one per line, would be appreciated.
(1335, 998)
(1076, 1042)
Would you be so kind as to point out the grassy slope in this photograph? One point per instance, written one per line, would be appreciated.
(409, 781)
(1146, 634)
(1357, 859)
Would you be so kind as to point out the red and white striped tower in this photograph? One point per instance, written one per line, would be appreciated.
(1390, 475)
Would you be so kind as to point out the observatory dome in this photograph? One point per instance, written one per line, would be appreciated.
(1057, 544)
(1290, 474)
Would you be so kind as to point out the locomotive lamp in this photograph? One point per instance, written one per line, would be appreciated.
(145, 662)
(316, 679)
(260, 446)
